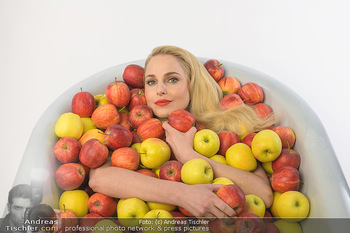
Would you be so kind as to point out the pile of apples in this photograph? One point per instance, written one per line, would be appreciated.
(118, 124)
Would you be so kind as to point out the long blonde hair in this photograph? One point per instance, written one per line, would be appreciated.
(206, 95)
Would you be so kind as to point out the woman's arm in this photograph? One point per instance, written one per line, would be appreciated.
(250, 182)
(122, 183)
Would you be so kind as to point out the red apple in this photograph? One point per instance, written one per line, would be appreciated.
(150, 128)
(93, 153)
(133, 75)
(102, 204)
(70, 176)
(227, 139)
(185, 212)
(181, 120)
(126, 157)
(286, 134)
(67, 150)
(251, 93)
(271, 228)
(139, 114)
(222, 225)
(180, 221)
(285, 179)
(215, 69)
(288, 157)
(65, 221)
(171, 170)
(147, 172)
(118, 93)
(124, 120)
(268, 216)
(250, 223)
(105, 115)
(117, 136)
(230, 100)
(135, 137)
(229, 85)
(262, 110)
(83, 104)
(137, 97)
(199, 126)
(89, 221)
(233, 196)
(248, 139)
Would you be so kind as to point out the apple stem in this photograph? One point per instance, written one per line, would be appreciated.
(81, 89)
(220, 65)
(288, 147)
(121, 109)
(115, 79)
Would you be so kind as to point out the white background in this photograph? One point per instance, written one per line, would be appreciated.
(47, 46)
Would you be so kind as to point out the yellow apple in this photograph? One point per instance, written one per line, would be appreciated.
(240, 156)
(206, 142)
(154, 152)
(136, 146)
(266, 145)
(255, 205)
(267, 167)
(87, 124)
(292, 206)
(106, 225)
(158, 221)
(222, 180)
(130, 211)
(100, 99)
(161, 206)
(219, 158)
(273, 209)
(92, 133)
(69, 125)
(288, 227)
(75, 200)
(197, 171)
(157, 171)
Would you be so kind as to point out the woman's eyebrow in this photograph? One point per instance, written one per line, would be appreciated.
(171, 73)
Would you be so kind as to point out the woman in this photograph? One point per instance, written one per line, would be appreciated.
(175, 79)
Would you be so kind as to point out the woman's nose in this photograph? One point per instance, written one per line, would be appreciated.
(161, 89)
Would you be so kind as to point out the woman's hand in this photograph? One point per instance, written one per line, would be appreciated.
(180, 143)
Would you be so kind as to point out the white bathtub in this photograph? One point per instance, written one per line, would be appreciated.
(323, 181)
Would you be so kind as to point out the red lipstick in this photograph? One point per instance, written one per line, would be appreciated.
(162, 102)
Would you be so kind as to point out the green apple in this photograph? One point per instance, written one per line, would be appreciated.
(100, 99)
(130, 211)
(292, 206)
(160, 206)
(158, 221)
(266, 145)
(255, 205)
(267, 167)
(206, 142)
(288, 227)
(222, 180)
(219, 158)
(106, 225)
(197, 171)
(154, 152)
(87, 124)
(136, 146)
(69, 125)
(240, 156)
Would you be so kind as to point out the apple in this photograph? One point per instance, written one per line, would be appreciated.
(117, 136)
(161, 206)
(130, 211)
(248, 139)
(285, 179)
(137, 97)
(118, 93)
(93, 153)
(230, 101)
(206, 142)
(241, 156)
(229, 85)
(293, 206)
(83, 104)
(100, 99)
(255, 205)
(65, 220)
(267, 167)
(158, 221)
(150, 128)
(88, 221)
(69, 125)
(288, 157)
(250, 223)
(215, 69)
(135, 137)
(75, 200)
(266, 145)
(197, 171)
(262, 110)
(124, 120)
(219, 158)
(102, 204)
(185, 212)
(139, 114)
(268, 216)
(67, 150)
(227, 139)
(92, 133)
(251, 93)
(271, 228)
(154, 152)
(233, 196)
(222, 225)
(180, 221)
(133, 75)
(70, 176)
(199, 126)
(288, 227)
(87, 124)
(86, 188)
(222, 180)
(181, 120)
(286, 134)
(125, 157)
(106, 225)
(171, 170)
(273, 208)
(147, 172)
(105, 115)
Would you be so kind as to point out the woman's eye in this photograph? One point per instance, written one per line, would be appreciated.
(172, 80)
(151, 82)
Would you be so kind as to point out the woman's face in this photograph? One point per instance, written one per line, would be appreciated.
(166, 85)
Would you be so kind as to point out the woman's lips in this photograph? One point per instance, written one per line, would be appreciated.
(163, 102)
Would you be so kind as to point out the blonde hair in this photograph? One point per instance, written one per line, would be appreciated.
(206, 95)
